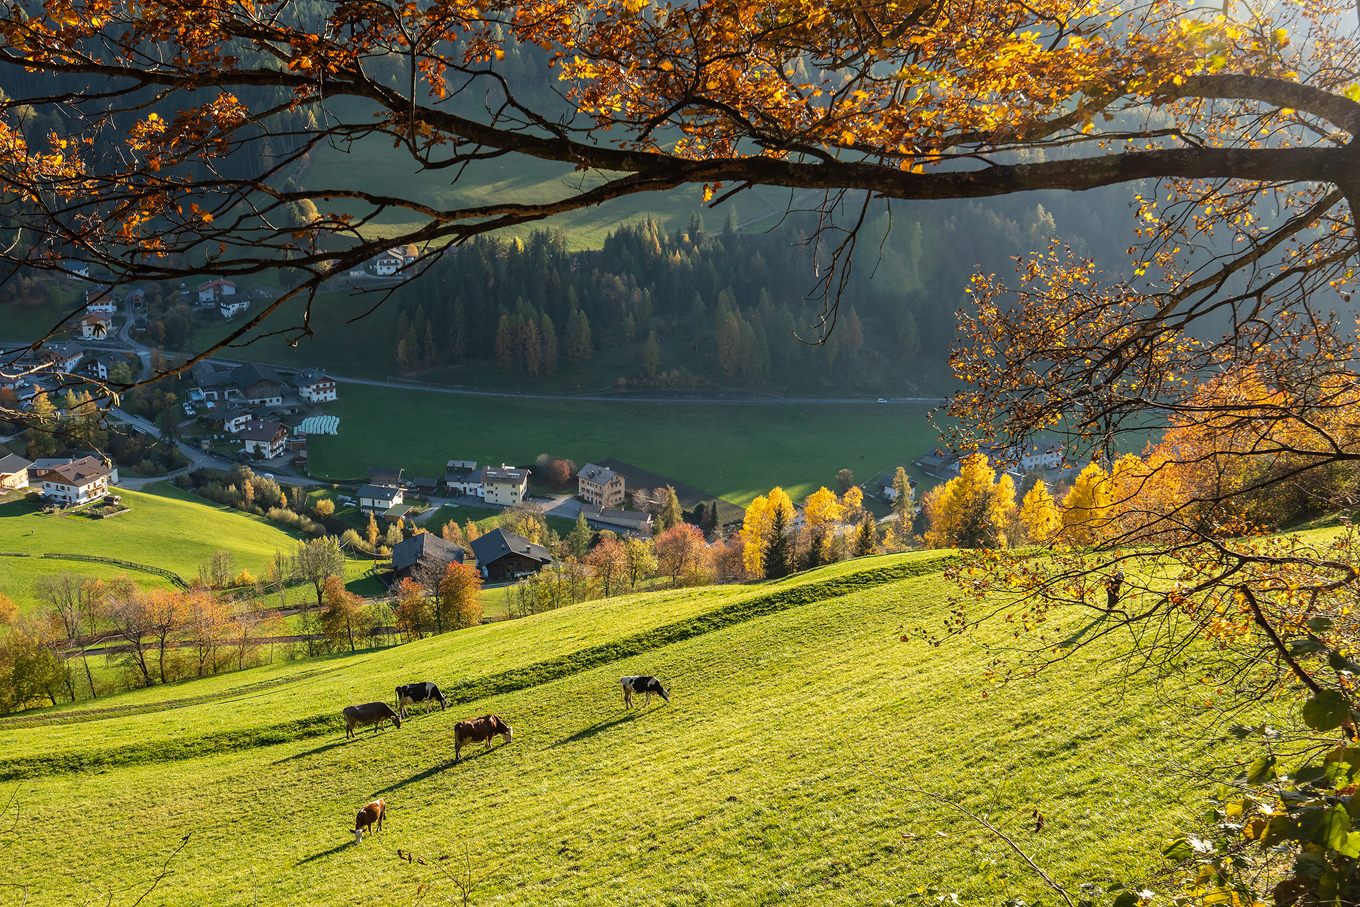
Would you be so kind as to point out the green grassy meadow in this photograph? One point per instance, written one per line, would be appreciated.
(166, 528)
(782, 770)
(731, 451)
(514, 178)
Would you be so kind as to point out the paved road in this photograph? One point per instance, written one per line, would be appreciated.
(629, 397)
(198, 457)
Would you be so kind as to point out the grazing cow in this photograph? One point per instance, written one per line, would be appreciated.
(648, 685)
(475, 730)
(370, 814)
(425, 692)
(374, 713)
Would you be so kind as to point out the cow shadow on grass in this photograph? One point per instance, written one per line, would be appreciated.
(314, 751)
(434, 770)
(599, 727)
(325, 853)
(1077, 638)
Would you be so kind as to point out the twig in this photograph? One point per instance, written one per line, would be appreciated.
(1048, 879)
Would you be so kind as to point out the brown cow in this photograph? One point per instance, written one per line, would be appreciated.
(475, 730)
(371, 813)
(374, 713)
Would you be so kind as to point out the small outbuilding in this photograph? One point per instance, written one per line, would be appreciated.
(424, 553)
(503, 556)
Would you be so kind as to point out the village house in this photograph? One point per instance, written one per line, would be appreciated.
(215, 386)
(46, 464)
(259, 384)
(1041, 453)
(232, 305)
(600, 486)
(215, 291)
(504, 485)
(379, 497)
(101, 367)
(425, 555)
(393, 260)
(95, 325)
(939, 460)
(76, 270)
(135, 296)
(61, 357)
(632, 522)
(229, 419)
(314, 387)
(463, 477)
(503, 556)
(100, 299)
(77, 482)
(424, 485)
(264, 439)
(385, 475)
(14, 471)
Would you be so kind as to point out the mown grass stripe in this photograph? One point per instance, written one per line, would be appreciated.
(537, 674)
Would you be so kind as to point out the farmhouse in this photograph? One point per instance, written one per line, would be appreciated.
(379, 497)
(230, 306)
(62, 356)
(393, 260)
(463, 477)
(76, 270)
(599, 486)
(264, 439)
(314, 387)
(504, 485)
(14, 471)
(259, 384)
(940, 459)
(503, 555)
(1041, 453)
(135, 296)
(214, 385)
(384, 475)
(229, 419)
(100, 299)
(95, 325)
(633, 522)
(76, 482)
(102, 366)
(426, 554)
(215, 290)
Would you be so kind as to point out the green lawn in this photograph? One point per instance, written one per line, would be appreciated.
(514, 178)
(166, 528)
(734, 452)
(780, 772)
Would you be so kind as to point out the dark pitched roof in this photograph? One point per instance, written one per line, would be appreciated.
(307, 377)
(379, 492)
(226, 413)
(251, 374)
(497, 543)
(208, 376)
(424, 548)
(598, 474)
(256, 430)
(384, 475)
(81, 472)
(12, 463)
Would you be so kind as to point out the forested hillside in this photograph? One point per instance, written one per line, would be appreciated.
(710, 305)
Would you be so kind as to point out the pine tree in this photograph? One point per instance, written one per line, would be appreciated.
(548, 335)
(505, 342)
(578, 540)
(730, 228)
(866, 537)
(458, 341)
(532, 346)
(854, 333)
(671, 514)
(778, 560)
(580, 349)
(651, 355)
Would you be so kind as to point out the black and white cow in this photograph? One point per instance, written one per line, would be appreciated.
(425, 692)
(648, 685)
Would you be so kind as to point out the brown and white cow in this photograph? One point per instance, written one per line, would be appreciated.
(374, 713)
(370, 814)
(475, 730)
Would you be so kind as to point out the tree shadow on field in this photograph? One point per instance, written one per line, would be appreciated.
(314, 751)
(436, 769)
(1076, 638)
(598, 727)
(326, 853)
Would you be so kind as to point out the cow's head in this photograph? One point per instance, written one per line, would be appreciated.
(661, 691)
(396, 720)
(506, 731)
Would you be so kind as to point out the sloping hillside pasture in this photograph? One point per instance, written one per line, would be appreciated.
(779, 772)
(166, 528)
